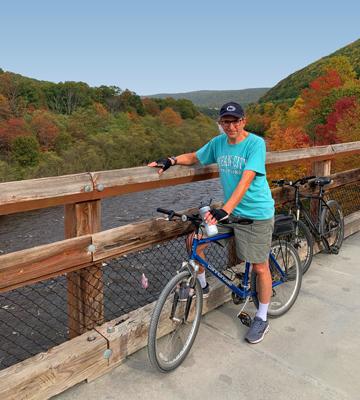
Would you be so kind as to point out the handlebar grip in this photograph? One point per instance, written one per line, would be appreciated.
(279, 182)
(162, 210)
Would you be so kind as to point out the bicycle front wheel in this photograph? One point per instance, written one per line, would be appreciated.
(303, 242)
(174, 323)
(332, 224)
(286, 273)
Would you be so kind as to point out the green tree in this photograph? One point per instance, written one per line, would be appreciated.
(25, 150)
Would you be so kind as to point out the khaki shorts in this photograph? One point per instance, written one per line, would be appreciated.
(253, 241)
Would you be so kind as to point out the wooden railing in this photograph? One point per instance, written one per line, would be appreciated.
(85, 247)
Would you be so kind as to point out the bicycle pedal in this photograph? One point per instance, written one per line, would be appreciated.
(245, 318)
(334, 250)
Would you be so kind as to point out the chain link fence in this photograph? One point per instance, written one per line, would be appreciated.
(36, 317)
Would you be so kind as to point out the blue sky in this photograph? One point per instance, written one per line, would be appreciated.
(172, 46)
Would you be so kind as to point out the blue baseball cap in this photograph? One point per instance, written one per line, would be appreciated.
(233, 109)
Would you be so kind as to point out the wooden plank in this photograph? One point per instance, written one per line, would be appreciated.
(44, 192)
(128, 334)
(318, 153)
(129, 238)
(60, 368)
(319, 168)
(352, 223)
(138, 179)
(32, 265)
(85, 288)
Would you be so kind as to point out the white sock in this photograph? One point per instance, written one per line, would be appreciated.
(262, 311)
(202, 279)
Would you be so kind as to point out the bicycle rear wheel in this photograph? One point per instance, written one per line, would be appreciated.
(303, 242)
(174, 324)
(286, 275)
(332, 224)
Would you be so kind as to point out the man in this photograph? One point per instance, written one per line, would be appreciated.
(240, 156)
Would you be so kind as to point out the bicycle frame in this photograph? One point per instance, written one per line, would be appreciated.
(243, 293)
(314, 227)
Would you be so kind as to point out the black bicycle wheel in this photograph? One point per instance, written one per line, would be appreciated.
(332, 224)
(286, 276)
(303, 242)
(171, 332)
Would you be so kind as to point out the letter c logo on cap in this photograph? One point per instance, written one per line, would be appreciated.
(230, 108)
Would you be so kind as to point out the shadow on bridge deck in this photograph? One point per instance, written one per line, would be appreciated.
(313, 352)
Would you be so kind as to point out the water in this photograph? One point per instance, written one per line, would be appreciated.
(25, 230)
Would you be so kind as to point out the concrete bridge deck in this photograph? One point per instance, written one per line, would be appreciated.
(313, 352)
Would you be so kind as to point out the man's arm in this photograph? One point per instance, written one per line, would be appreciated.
(182, 159)
(236, 196)
(239, 191)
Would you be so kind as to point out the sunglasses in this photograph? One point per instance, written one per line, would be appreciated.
(228, 122)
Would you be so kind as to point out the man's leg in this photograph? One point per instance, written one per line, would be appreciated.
(264, 285)
(200, 252)
(260, 325)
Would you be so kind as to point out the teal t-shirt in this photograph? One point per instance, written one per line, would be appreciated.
(233, 159)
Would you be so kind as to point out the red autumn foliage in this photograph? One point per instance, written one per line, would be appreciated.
(11, 129)
(327, 133)
(170, 118)
(45, 129)
(319, 88)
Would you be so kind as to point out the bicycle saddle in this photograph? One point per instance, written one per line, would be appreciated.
(322, 180)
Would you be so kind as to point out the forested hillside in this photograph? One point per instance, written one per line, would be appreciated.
(59, 128)
(53, 129)
(290, 87)
(216, 98)
(325, 112)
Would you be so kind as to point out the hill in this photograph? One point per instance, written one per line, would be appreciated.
(215, 98)
(290, 87)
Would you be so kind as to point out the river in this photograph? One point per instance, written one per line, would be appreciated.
(28, 229)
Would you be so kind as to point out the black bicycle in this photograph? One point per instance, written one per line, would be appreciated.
(327, 226)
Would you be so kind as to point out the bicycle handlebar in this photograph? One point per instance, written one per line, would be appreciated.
(193, 218)
(301, 181)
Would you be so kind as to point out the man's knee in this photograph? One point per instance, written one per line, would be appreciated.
(261, 268)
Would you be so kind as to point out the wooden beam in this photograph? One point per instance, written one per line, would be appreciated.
(50, 373)
(32, 265)
(318, 153)
(133, 237)
(46, 192)
(33, 194)
(85, 288)
(352, 223)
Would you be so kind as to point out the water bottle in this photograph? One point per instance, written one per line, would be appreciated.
(211, 230)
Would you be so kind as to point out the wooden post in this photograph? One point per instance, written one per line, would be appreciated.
(84, 287)
(319, 168)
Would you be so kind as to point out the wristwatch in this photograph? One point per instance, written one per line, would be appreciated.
(174, 159)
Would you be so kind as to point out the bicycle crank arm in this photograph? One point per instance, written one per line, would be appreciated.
(245, 318)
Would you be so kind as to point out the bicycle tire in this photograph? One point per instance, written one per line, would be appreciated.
(329, 224)
(287, 290)
(303, 242)
(165, 333)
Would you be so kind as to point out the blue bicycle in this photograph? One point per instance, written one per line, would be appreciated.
(176, 319)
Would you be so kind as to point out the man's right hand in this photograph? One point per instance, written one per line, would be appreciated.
(163, 164)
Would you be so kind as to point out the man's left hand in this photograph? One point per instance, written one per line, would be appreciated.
(219, 215)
